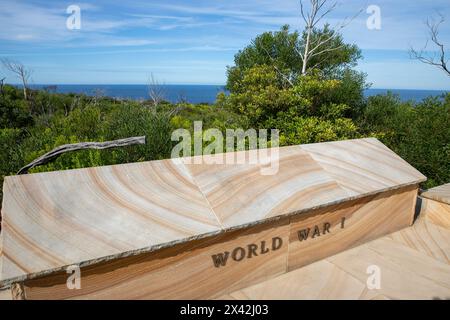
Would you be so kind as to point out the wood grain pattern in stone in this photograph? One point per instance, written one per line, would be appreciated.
(363, 165)
(5, 294)
(85, 216)
(60, 218)
(410, 268)
(437, 212)
(426, 237)
(176, 272)
(440, 193)
(322, 233)
(406, 273)
(185, 271)
(305, 283)
(239, 194)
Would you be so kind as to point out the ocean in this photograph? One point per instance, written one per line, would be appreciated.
(202, 93)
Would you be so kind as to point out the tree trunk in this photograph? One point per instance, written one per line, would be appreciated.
(24, 88)
(306, 53)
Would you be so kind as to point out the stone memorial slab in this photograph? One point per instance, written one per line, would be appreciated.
(182, 228)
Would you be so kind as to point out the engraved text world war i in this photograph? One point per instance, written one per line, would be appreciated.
(251, 250)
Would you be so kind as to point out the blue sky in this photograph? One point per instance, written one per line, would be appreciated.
(192, 42)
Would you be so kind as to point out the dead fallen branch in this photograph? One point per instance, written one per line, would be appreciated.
(52, 155)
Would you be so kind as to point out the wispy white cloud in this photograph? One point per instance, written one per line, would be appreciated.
(205, 48)
(28, 22)
(116, 32)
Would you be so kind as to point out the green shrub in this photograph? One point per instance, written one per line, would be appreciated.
(419, 133)
(11, 156)
(300, 130)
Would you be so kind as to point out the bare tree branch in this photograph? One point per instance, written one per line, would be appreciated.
(314, 47)
(156, 91)
(314, 43)
(298, 52)
(329, 10)
(52, 155)
(303, 13)
(284, 76)
(437, 59)
(21, 71)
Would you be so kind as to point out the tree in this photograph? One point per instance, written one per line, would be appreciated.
(277, 49)
(316, 43)
(437, 59)
(267, 76)
(262, 94)
(156, 91)
(280, 50)
(21, 71)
